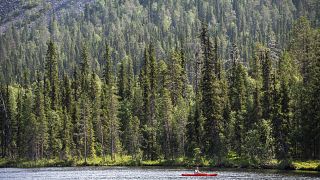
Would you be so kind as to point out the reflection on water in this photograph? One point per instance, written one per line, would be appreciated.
(154, 173)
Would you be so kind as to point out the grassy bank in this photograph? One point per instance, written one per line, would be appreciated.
(182, 162)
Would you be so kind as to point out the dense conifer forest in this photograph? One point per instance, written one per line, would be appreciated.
(160, 80)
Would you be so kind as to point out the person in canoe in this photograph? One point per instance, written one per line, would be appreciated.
(196, 171)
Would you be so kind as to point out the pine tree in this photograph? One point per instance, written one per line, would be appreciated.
(237, 95)
(113, 124)
(176, 77)
(51, 76)
(134, 134)
(12, 115)
(75, 114)
(310, 104)
(303, 49)
(300, 46)
(95, 103)
(66, 95)
(122, 80)
(153, 87)
(107, 72)
(183, 73)
(66, 131)
(40, 116)
(86, 128)
(103, 124)
(20, 125)
(66, 134)
(266, 84)
(282, 114)
(125, 116)
(30, 127)
(314, 110)
(125, 83)
(180, 120)
(166, 120)
(54, 138)
(276, 117)
(195, 129)
(110, 106)
(84, 70)
(4, 115)
(256, 113)
(149, 82)
(86, 131)
(172, 119)
(211, 101)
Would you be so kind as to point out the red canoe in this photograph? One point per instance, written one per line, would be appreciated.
(199, 174)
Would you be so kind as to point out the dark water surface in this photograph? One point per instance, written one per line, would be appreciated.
(152, 173)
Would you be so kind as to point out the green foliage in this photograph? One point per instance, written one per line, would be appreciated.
(167, 122)
(134, 135)
(306, 165)
(80, 89)
(194, 129)
(211, 103)
(258, 143)
(51, 75)
(197, 159)
(54, 127)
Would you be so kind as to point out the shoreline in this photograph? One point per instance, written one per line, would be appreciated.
(308, 166)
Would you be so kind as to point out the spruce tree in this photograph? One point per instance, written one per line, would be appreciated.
(149, 82)
(113, 124)
(195, 129)
(95, 103)
(12, 115)
(176, 77)
(107, 71)
(110, 109)
(135, 135)
(54, 138)
(75, 114)
(237, 95)
(51, 76)
(266, 84)
(86, 125)
(84, 70)
(66, 129)
(166, 120)
(211, 101)
(40, 116)
(5, 121)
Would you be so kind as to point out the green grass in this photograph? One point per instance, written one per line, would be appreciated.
(307, 165)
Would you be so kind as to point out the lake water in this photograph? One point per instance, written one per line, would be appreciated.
(150, 173)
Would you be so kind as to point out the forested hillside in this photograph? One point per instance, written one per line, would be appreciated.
(160, 79)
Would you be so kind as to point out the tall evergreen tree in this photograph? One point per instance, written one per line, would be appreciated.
(66, 131)
(107, 72)
(113, 124)
(41, 117)
(237, 95)
(4, 115)
(176, 77)
(149, 82)
(266, 84)
(135, 135)
(51, 76)
(211, 101)
(166, 120)
(84, 70)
